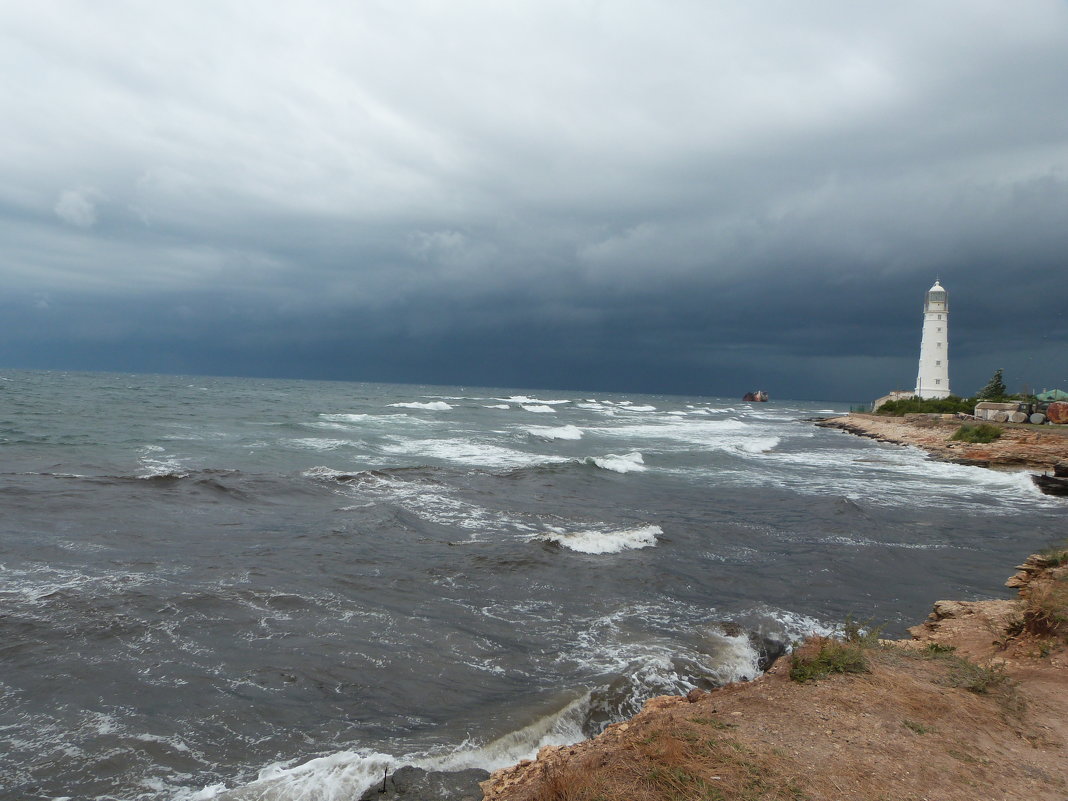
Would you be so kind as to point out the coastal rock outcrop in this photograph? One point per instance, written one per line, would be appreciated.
(415, 784)
(1016, 448)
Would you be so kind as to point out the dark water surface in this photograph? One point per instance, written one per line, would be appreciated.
(230, 588)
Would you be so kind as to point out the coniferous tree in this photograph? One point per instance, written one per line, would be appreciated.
(995, 388)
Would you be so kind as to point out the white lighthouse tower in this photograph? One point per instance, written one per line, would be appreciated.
(933, 378)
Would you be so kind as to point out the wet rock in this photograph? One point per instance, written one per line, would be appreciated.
(415, 784)
(768, 650)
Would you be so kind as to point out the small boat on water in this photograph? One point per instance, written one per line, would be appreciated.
(760, 396)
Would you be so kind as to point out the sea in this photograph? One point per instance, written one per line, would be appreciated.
(227, 589)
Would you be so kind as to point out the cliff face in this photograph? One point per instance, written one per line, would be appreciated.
(974, 706)
(1033, 447)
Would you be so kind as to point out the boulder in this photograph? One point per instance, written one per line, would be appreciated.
(416, 784)
(1057, 412)
(1061, 469)
(1000, 417)
(1017, 417)
(1038, 418)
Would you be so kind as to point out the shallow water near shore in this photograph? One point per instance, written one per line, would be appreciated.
(233, 588)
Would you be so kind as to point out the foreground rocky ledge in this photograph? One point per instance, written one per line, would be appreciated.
(1023, 447)
(973, 707)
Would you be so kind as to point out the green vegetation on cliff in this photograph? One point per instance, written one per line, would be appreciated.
(984, 432)
(914, 405)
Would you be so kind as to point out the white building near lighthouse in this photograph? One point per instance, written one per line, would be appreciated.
(932, 381)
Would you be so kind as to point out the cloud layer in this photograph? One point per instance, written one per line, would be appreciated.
(668, 197)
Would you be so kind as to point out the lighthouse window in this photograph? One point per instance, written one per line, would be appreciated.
(938, 380)
(940, 317)
(938, 364)
(938, 344)
(939, 330)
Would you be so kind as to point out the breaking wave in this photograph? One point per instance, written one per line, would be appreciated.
(547, 433)
(433, 406)
(627, 463)
(598, 542)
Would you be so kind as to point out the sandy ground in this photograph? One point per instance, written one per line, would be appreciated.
(1020, 447)
(912, 727)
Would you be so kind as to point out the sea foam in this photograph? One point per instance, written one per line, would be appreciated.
(597, 542)
(627, 463)
(563, 432)
(432, 406)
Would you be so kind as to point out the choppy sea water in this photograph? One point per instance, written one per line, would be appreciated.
(248, 589)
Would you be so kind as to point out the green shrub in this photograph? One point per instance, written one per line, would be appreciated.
(984, 432)
(1056, 555)
(914, 405)
(937, 650)
(975, 678)
(823, 657)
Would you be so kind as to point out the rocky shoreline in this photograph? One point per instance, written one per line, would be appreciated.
(1018, 448)
(973, 706)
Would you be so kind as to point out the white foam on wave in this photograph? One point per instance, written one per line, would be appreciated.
(641, 408)
(538, 409)
(349, 774)
(346, 421)
(430, 502)
(901, 476)
(755, 445)
(605, 541)
(626, 463)
(433, 406)
(320, 471)
(337, 777)
(865, 542)
(322, 444)
(469, 452)
(562, 432)
(497, 406)
(521, 399)
(156, 463)
(347, 418)
(693, 433)
(791, 626)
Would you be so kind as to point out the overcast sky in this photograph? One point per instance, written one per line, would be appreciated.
(667, 196)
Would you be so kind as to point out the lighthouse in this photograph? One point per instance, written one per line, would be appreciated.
(932, 381)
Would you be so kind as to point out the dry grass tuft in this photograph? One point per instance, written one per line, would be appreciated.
(1045, 610)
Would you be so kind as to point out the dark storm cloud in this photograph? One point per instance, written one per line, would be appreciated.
(668, 197)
